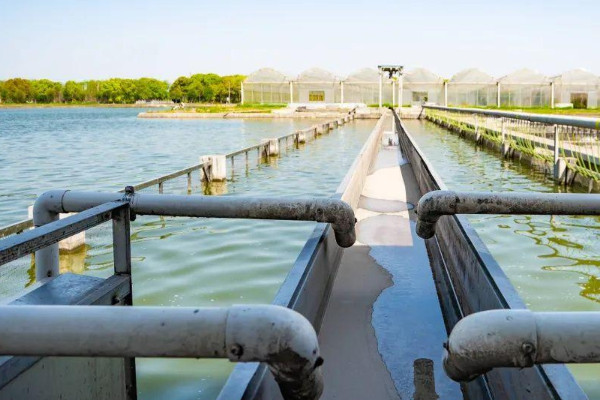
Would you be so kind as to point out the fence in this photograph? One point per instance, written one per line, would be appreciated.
(570, 145)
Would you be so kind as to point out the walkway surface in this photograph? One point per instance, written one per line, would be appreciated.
(383, 331)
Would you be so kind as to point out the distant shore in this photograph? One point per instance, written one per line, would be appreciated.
(74, 105)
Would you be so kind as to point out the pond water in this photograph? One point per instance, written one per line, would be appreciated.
(553, 261)
(176, 261)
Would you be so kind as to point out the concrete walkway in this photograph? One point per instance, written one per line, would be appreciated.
(383, 331)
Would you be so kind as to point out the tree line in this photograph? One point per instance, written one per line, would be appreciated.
(209, 88)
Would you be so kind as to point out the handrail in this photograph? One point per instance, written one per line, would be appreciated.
(580, 122)
(438, 203)
(278, 336)
(520, 339)
(50, 204)
(18, 246)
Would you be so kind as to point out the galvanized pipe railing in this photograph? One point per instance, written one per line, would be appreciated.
(50, 204)
(567, 146)
(520, 338)
(437, 203)
(580, 122)
(278, 336)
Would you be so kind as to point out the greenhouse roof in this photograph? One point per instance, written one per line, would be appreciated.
(472, 75)
(316, 75)
(364, 75)
(266, 75)
(524, 76)
(422, 75)
(578, 76)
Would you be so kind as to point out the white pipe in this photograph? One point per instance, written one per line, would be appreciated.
(278, 336)
(50, 204)
(520, 338)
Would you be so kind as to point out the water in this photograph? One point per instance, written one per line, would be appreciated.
(176, 261)
(553, 261)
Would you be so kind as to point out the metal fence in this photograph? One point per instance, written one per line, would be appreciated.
(566, 143)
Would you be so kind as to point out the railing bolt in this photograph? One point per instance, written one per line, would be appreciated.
(237, 350)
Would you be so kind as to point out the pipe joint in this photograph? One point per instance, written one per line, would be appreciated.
(283, 339)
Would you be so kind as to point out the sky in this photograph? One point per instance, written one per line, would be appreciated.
(78, 40)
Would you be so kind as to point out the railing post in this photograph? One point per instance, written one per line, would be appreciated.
(189, 182)
(121, 241)
(160, 187)
(218, 167)
(557, 167)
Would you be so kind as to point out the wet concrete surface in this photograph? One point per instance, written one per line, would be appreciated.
(384, 328)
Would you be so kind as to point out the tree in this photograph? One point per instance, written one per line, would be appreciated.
(17, 90)
(178, 90)
(46, 91)
(73, 91)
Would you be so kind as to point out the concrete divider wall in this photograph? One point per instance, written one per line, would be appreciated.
(308, 285)
(469, 280)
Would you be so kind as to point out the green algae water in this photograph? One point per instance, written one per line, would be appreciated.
(176, 261)
(553, 261)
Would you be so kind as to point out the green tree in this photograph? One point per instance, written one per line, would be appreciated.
(16, 90)
(178, 90)
(46, 91)
(74, 91)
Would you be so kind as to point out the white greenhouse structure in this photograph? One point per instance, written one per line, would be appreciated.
(523, 88)
(578, 88)
(266, 86)
(362, 86)
(317, 85)
(472, 87)
(421, 85)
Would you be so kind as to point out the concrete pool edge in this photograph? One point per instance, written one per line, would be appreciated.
(469, 279)
(313, 272)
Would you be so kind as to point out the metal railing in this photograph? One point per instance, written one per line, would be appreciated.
(568, 143)
(513, 338)
(203, 168)
(280, 337)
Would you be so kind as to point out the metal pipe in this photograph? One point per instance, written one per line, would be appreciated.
(581, 122)
(278, 336)
(520, 338)
(336, 212)
(437, 203)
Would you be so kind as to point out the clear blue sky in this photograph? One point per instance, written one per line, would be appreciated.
(164, 39)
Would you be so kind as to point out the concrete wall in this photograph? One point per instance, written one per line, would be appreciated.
(308, 285)
(469, 280)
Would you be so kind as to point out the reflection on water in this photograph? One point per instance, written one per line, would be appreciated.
(183, 261)
(553, 261)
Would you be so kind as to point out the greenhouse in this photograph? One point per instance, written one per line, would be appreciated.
(316, 85)
(421, 85)
(472, 87)
(266, 86)
(363, 87)
(578, 87)
(525, 88)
